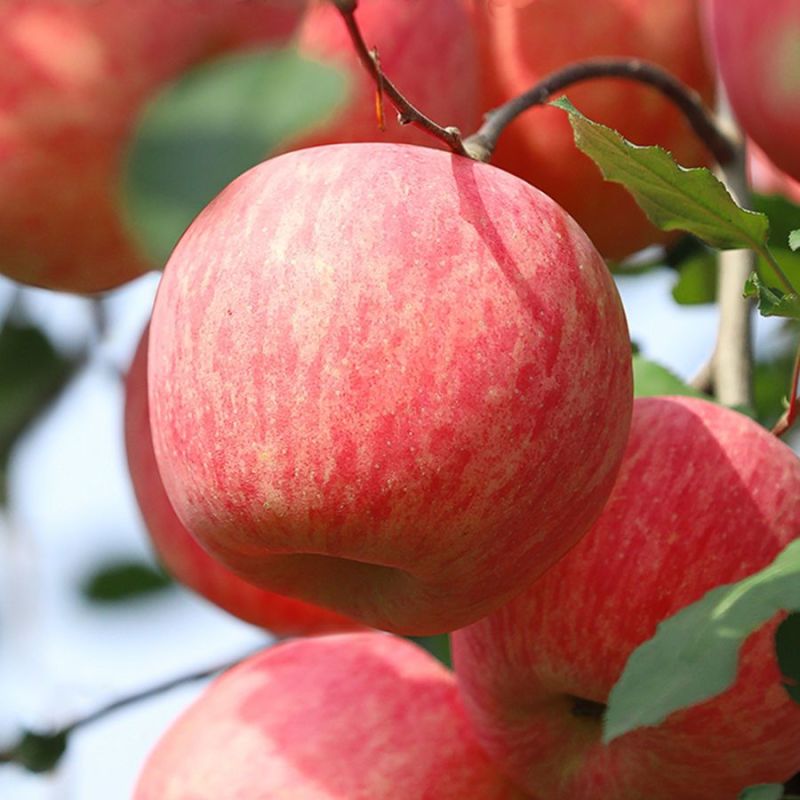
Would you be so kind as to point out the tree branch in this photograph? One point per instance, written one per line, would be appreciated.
(481, 145)
(41, 751)
(407, 114)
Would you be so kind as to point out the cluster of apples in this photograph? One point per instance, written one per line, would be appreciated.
(387, 387)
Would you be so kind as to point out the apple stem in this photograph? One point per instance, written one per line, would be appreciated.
(481, 145)
(407, 114)
(591, 709)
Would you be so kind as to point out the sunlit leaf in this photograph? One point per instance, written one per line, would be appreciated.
(673, 197)
(693, 655)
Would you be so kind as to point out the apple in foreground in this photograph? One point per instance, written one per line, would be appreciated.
(348, 717)
(426, 47)
(74, 77)
(388, 380)
(705, 496)
(179, 551)
(523, 41)
(757, 50)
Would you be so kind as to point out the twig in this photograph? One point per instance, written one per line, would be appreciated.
(40, 752)
(790, 415)
(407, 113)
(481, 145)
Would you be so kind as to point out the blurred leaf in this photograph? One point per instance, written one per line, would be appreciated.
(651, 379)
(33, 373)
(209, 127)
(39, 752)
(772, 302)
(693, 655)
(771, 384)
(697, 280)
(123, 581)
(438, 646)
(794, 240)
(673, 197)
(763, 791)
(787, 645)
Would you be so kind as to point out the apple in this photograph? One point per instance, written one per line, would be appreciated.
(427, 49)
(348, 717)
(179, 551)
(757, 51)
(524, 40)
(388, 380)
(766, 178)
(705, 496)
(74, 77)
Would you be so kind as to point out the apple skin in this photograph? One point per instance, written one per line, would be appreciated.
(388, 380)
(426, 47)
(766, 178)
(704, 497)
(757, 51)
(74, 77)
(179, 551)
(524, 40)
(346, 717)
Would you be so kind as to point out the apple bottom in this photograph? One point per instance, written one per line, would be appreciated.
(346, 717)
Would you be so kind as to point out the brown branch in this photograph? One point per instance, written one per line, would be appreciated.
(41, 751)
(481, 145)
(407, 114)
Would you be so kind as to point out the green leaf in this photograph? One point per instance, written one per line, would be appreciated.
(438, 646)
(124, 580)
(693, 655)
(697, 280)
(651, 379)
(213, 124)
(794, 240)
(673, 197)
(787, 646)
(40, 752)
(772, 302)
(33, 373)
(771, 384)
(763, 791)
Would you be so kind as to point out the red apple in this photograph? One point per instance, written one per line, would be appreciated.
(766, 178)
(704, 497)
(178, 549)
(74, 77)
(757, 50)
(388, 380)
(524, 40)
(350, 717)
(427, 49)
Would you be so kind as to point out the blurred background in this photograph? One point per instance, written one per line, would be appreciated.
(86, 614)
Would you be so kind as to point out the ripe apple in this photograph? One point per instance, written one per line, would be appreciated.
(704, 496)
(757, 50)
(388, 380)
(426, 47)
(524, 40)
(766, 178)
(73, 78)
(348, 717)
(178, 549)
